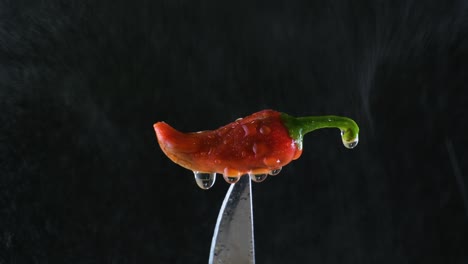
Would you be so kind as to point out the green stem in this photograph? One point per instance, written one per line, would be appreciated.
(299, 126)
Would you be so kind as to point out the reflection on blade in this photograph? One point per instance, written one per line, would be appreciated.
(233, 238)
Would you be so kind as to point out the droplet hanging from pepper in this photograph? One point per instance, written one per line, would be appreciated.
(259, 144)
(275, 171)
(258, 177)
(205, 180)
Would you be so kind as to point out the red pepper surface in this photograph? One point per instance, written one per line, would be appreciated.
(257, 144)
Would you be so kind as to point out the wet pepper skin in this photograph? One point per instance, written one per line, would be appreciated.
(256, 144)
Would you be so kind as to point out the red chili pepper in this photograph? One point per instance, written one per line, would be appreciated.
(259, 144)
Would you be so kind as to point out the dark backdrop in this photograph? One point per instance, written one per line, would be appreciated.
(84, 181)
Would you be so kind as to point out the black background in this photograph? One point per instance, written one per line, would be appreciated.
(84, 181)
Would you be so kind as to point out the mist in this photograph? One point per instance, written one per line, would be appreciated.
(83, 180)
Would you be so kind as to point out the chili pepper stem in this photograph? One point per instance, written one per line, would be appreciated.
(299, 126)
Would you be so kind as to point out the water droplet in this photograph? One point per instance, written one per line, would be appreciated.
(275, 171)
(239, 119)
(258, 177)
(271, 161)
(297, 154)
(205, 180)
(259, 149)
(231, 172)
(217, 161)
(249, 129)
(265, 130)
(231, 179)
(351, 143)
